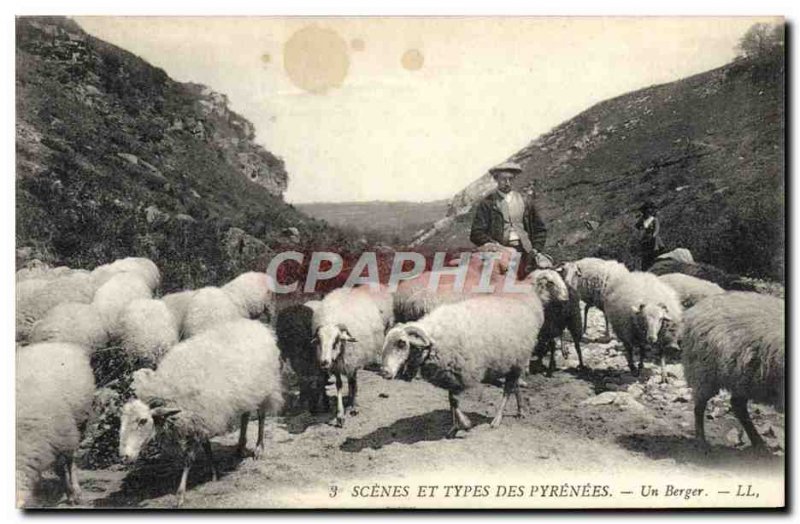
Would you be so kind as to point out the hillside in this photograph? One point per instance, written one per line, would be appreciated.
(393, 222)
(709, 150)
(116, 159)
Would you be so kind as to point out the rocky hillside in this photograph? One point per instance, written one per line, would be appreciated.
(115, 159)
(709, 150)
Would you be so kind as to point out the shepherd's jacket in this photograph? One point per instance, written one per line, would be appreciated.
(488, 223)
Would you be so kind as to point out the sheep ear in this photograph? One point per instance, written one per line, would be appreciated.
(315, 337)
(666, 312)
(161, 414)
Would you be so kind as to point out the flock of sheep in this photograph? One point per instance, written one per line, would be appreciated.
(206, 359)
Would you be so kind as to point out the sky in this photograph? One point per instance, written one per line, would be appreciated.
(415, 108)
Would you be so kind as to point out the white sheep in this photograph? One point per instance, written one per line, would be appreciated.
(645, 313)
(72, 322)
(147, 331)
(208, 307)
(691, 290)
(562, 311)
(25, 296)
(385, 302)
(34, 299)
(54, 387)
(34, 269)
(202, 388)
(348, 335)
(253, 293)
(112, 297)
(592, 278)
(681, 254)
(415, 297)
(178, 304)
(735, 341)
(459, 345)
(144, 267)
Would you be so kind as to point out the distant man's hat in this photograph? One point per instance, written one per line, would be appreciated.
(506, 167)
(648, 205)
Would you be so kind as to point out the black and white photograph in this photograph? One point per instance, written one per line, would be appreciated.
(399, 262)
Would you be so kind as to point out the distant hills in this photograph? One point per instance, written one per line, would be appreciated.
(393, 222)
(709, 150)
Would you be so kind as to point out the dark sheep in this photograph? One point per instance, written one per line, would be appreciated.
(295, 334)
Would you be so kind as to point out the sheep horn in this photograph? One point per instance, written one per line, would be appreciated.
(161, 414)
(345, 334)
(420, 333)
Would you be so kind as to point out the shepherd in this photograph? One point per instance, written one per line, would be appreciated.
(508, 218)
(650, 243)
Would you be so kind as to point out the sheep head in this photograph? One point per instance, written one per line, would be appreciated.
(569, 273)
(330, 341)
(138, 425)
(405, 349)
(653, 319)
(548, 285)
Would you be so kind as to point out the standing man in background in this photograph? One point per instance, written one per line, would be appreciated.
(508, 218)
(650, 243)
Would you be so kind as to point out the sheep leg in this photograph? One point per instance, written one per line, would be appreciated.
(629, 358)
(326, 403)
(498, 418)
(307, 395)
(181, 494)
(352, 389)
(552, 366)
(701, 398)
(586, 318)
(317, 395)
(71, 484)
(518, 396)
(262, 418)
(210, 456)
(739, 405)
(339, 402)
(663, 368)
(460, 421)
(241, 449)
(509, 387)
(576, 339)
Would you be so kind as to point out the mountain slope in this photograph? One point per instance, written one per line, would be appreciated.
(116, 159)
(709, 150)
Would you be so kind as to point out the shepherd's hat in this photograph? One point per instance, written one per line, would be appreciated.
(648, 205)
(507, 167)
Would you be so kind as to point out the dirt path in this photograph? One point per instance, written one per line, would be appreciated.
(636, 429)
